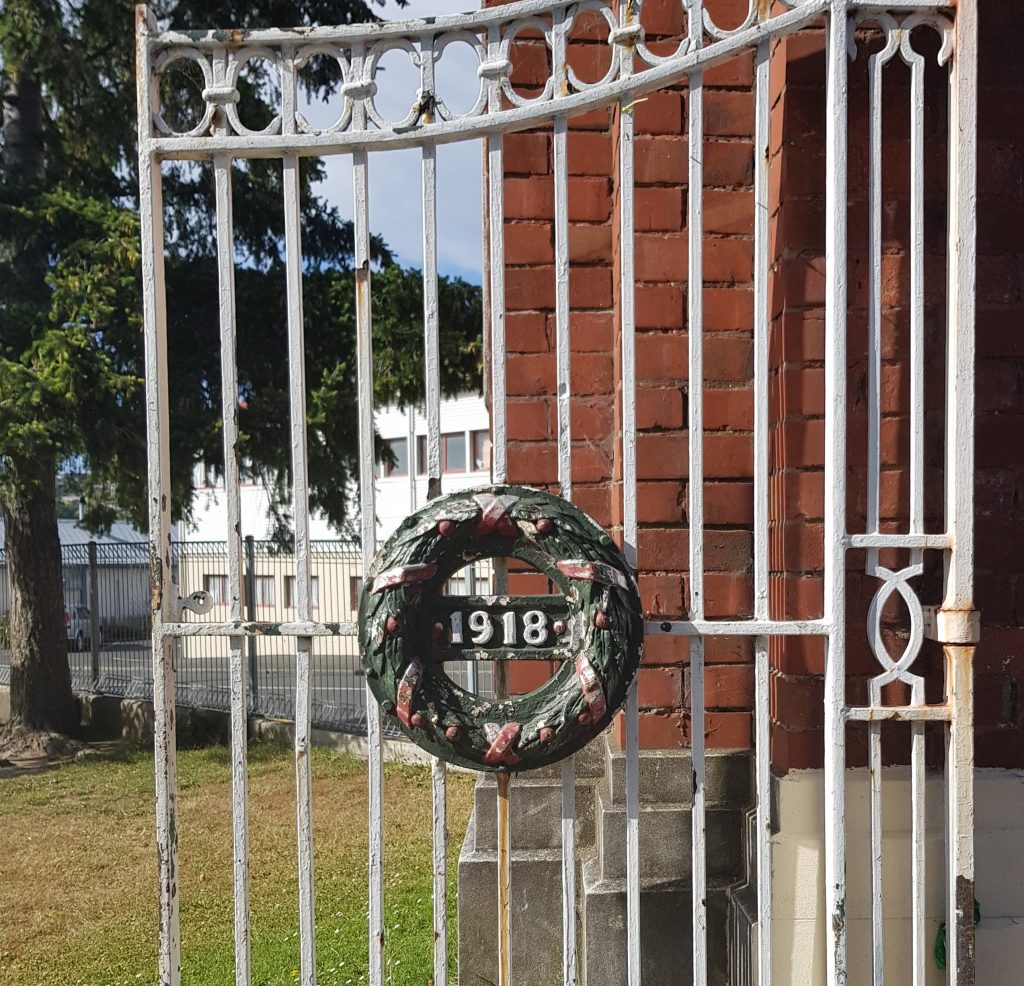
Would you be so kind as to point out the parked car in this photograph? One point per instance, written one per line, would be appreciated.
(78, 625)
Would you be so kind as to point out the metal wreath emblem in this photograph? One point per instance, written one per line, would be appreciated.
(408, 628)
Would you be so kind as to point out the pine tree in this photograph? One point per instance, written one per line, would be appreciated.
(70, 308)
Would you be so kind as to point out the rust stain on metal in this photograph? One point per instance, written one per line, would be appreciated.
(839, 932)
(156, 581)
(763, 9)
(964, 931)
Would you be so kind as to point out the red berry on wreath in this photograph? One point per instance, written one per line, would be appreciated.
(446, 528)
(546, 526)
(583, 718)
(393, 625)
(438, 632)
(558, 627)
(546, 735)
(602, 620)
(453, 734)
(416, 721)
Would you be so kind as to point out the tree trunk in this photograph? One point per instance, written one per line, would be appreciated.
(42, 703)
(41, 696)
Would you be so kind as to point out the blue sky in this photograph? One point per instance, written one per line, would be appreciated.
(395, 204)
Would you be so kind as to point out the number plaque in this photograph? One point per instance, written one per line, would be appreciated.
(591, 627)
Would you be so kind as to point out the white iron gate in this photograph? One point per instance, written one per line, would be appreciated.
(220, 137)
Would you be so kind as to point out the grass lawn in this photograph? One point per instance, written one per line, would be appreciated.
(78, 871)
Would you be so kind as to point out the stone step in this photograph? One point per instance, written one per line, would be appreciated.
(535, 809)
(666, 937)
(535, 915)
(665, 841)
(667, 775)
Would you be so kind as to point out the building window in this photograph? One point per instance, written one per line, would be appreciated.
(217, 587)
(395, 461)
(289, 592)
(355, 583)
(479, 450)
(265, 594)
(421, 455)
(454, 447)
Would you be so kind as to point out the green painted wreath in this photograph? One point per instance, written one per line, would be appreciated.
(409, 628)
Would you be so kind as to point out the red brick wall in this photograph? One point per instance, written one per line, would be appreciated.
(797, 378)
(999, 486)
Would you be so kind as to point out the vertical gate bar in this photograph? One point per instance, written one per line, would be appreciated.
(438, 784)
(368, 526)
(300, 510)
(762, 694)
(916, 292)
(917, 425)
(874, 374)
(627, 298)
(960, 815)
(564, 424)
(695, 333)
(154, 312)
(876, 64)
(410, 432)
(496, 261)
(835, 491)
(562, 371)
(918, 858)
(238, 662)
(876, 831)
(959, 588)
(431, 342)
(499, 461)
(432, 373)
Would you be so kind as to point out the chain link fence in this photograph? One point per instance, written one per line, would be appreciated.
(106, 593)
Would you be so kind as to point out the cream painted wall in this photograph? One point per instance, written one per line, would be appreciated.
(798, 938)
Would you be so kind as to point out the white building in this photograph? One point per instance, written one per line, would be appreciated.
(465, 461)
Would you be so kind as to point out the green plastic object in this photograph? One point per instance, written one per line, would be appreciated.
(592, 628)
(940, 938)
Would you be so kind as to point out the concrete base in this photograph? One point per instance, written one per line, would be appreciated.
(536, 922)
(107, 717)
(666, 932)
(666, 788)
(798, 852)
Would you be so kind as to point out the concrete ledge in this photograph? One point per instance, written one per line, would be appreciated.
(107, 717)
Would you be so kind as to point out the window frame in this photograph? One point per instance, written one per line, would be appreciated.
(444, 453)
(222, 582)
(386, 470)
(262, 580)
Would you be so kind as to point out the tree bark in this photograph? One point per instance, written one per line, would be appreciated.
(41, 695)
(42, 702)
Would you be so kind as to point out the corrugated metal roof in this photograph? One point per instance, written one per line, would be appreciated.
(70, 533)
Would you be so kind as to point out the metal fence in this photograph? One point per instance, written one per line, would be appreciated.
(107, 617)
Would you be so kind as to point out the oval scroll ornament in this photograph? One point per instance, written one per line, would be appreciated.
(409, 628)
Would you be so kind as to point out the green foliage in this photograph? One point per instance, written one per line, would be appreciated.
(71, 356)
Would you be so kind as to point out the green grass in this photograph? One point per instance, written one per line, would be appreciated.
(78, 872)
